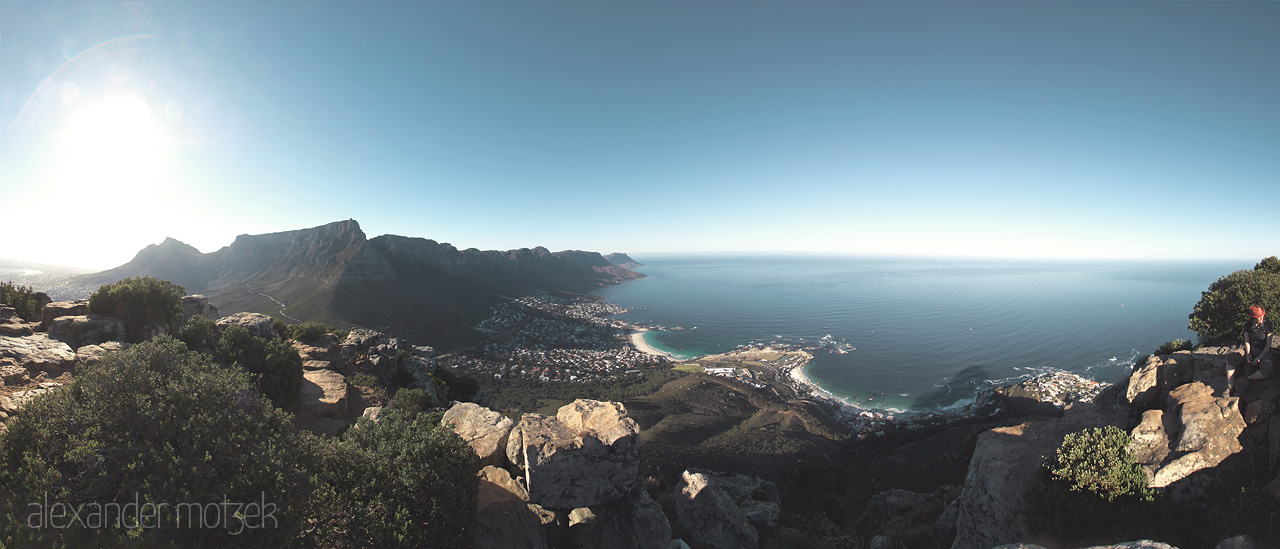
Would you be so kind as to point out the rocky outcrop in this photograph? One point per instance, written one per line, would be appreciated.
(198, 305)
(386, 358)
(1046, 393)
(484, 430)
(28, 355)
(503, 518)
(259, 325)
(1201, 431)
(990, 504)
(323, 395)
(586, 455)
(13, 325)
(80, 330)
(710, 514)
(631, 522)
(91, 354)
(58, 309)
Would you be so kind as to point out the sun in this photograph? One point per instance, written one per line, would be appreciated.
(113, 147)
(112, 160)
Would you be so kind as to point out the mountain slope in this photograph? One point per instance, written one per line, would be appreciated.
(428, 291)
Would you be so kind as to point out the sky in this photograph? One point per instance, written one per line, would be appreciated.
(1026, 129)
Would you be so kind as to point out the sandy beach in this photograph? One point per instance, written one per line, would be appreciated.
(637, 339)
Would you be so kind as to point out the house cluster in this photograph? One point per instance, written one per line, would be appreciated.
(550, 338)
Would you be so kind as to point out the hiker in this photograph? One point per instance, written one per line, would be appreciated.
(1256, 354)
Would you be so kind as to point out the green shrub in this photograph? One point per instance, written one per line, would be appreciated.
(404, 481)
(140, 302)
(199, 333)
(1221, 314)
(1174, 346)
(273, 362)
(364, 380)
(153, 423)
(413, 401)
(22, 299)
(283, 330)
(309, 331)
(1092, 488)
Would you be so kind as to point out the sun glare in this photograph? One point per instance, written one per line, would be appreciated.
(113, 157)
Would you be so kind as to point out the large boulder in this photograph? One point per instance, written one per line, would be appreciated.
(503, 518)
(1004, 461)
(710, 515)
(586, 455)
(198, 305)
(58, 309)
(1203, 430)
(1144, 384)
(32, 354)
(484, 430)
(258, 324)
(759, 500)
(631, 522)
(323, 395)
(80, 330)
(1151, 438)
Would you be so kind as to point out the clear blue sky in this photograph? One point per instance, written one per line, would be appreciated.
(1012, 129)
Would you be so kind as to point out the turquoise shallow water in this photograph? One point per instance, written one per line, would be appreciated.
(922, 333)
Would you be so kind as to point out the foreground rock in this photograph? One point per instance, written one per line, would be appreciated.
(990, 504)
(29, 355)
(322, 402)
(258, 324)
(1195, 431)
(484, 430)
(631, 522)
(92, 354)
(80, 330)
(503, 518)
(710, 514)
(586, 455)
(59, 309)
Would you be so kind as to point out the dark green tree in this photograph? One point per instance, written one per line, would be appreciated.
(143, 303)
(1221, 314)
(1268, 265)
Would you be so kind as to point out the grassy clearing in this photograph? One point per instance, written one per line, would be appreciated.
(690, 367)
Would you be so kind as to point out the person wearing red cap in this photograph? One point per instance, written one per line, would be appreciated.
(1257, 348)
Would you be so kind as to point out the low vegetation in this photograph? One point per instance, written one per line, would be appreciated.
(22, 299)
(309, 331)
(180, 438)
(274, 363)
(1220, 315)
(1174, 346)
(1091, 489)
(146, 305)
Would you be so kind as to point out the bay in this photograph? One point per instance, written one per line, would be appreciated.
(920, 334)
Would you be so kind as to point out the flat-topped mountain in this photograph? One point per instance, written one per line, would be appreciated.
(415, 287)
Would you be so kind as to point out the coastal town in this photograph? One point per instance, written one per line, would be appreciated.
(551, 338)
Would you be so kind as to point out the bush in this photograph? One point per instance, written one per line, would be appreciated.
(1268, 265)
(22, 299)
(309, 331)
(1092, 488)
(413, 401)
(199, 333)
(140, 302)
(154, 423)
(1221, 314)
(403, 481)
(1174, 346)
(274, 363)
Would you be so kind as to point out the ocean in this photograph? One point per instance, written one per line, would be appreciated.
(920, 334)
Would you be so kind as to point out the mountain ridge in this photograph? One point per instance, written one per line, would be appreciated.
(415, 287)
